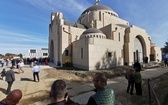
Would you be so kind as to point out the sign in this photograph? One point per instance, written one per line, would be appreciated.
(67, 60)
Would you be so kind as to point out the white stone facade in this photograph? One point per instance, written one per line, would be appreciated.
(99, 40)
(37, 53)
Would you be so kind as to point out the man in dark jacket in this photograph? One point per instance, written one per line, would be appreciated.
(104, 95)
(137, 65)
(10, 78)
(59, 94)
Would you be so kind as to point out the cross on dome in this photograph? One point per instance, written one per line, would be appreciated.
(97, 1)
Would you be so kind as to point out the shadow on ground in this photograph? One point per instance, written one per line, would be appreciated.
(26, 79)
(3, 90)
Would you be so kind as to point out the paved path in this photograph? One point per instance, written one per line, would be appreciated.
(119, 84)
(80, 92)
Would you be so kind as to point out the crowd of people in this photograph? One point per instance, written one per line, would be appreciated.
(104, 95)
(9, 75)
(30, 61)
(4, 61)
(19, 63)
(58, 93)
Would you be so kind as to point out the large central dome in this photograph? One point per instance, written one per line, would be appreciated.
(96, 14)
(97, 7)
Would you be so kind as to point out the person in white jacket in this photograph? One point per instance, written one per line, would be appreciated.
(21, 64)
(36, 69)
(2, 62)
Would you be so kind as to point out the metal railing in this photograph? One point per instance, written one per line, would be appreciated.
(151, 90)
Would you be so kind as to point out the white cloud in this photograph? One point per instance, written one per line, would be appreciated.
(149, 15)
(41, 4)
(73, 7)
(12, 36)
(66, 5)
(17, 42)
(6, 45)
(18, 48)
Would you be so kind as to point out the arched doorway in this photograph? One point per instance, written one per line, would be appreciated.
(139, 48)
(52, 50)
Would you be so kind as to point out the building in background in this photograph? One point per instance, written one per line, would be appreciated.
(37, 53)
(100, 39)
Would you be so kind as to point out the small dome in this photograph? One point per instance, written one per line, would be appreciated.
(93, 32)
(97, 7)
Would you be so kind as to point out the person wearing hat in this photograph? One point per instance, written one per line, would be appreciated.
(10, 78)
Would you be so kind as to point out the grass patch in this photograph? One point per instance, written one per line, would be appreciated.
(161, 88)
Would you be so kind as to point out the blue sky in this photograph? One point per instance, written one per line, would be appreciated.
(24, 23)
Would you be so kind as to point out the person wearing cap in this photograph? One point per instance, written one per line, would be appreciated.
(59, 94)
(10, 78)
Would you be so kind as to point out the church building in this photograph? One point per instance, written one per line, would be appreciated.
(99, 39)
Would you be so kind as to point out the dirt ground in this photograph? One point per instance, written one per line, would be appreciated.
(79, 76)
(74, 75)
(160, 91)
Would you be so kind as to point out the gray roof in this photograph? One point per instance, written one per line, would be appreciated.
(74, 24)
(92, 30)
(123, 25)
(97, 7)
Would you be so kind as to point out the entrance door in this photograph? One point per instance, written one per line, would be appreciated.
(138, 52)
(136, 56)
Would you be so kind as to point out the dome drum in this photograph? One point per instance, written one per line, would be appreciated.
(94, 12)
(93, 32)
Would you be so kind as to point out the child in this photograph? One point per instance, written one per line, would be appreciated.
(3, 73)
